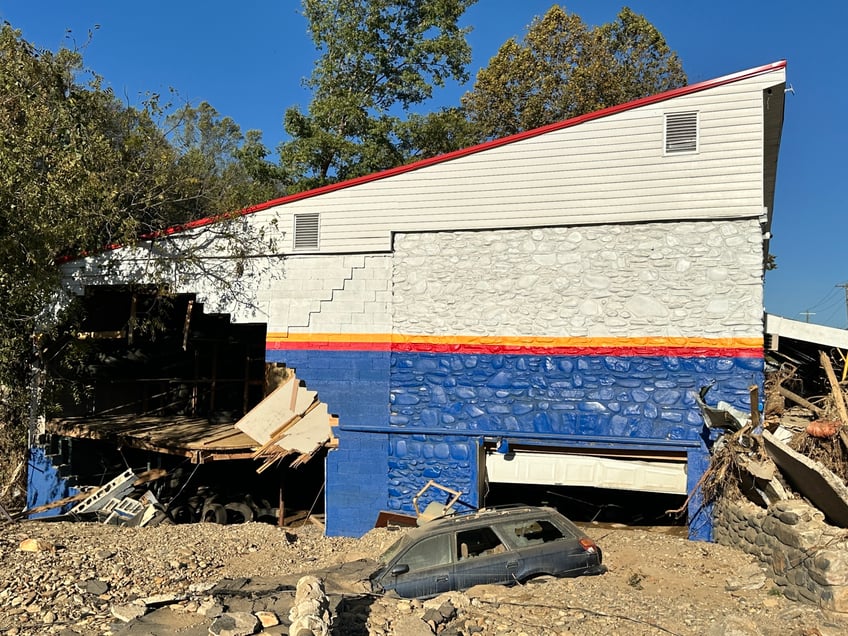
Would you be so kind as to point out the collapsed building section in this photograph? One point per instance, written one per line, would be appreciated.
(143, 379)
(536, 312)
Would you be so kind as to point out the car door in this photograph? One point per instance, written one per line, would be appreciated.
(545, 547)
(483, 558)
(423, 569)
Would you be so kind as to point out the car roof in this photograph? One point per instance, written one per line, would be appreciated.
(481, 517)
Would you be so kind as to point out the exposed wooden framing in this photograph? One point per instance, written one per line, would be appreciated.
(194, 438)
(131, 323)
(246, 389)
(99, 335)
(194, 386)
(214, 383)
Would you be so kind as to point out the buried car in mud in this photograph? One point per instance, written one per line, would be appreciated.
(499, 545)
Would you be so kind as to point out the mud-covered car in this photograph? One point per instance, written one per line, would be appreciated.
(499, 545)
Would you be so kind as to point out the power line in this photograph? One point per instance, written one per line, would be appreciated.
(844, 286)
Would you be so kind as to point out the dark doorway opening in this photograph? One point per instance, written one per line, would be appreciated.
(587, 505)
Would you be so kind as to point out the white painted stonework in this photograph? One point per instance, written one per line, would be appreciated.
(687, 279)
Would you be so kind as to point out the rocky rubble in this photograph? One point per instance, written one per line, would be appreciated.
(90, 578)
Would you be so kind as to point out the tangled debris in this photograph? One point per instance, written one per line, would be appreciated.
(799, 436)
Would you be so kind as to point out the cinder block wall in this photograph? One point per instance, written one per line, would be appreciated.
(326, 303)
(355, 488)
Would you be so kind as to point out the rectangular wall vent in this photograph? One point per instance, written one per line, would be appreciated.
(681, 132)
(306, 231)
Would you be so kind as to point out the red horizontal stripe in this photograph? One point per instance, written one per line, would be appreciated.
(624, 352)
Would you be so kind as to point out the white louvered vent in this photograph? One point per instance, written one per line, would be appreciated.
(681, 133)
(306, 231)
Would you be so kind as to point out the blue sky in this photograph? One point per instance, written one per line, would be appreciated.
(248, 58)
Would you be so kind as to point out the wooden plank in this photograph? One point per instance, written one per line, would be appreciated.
(800, 401)
(263, 419)
(55, 504)
(836, 390)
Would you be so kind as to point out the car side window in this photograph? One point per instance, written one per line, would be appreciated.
(533, 532)
(428, 552)
(478, 542)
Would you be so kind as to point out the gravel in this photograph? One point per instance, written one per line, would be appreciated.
(91, 578)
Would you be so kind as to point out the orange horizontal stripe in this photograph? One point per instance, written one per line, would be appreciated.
(653, 345)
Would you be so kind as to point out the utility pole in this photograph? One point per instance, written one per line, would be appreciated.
(807, 314)
(844, 286)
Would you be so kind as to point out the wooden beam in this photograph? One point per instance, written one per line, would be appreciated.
(800, 401)
(836, 390)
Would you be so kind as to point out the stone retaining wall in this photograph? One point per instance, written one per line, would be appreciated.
(806, 557)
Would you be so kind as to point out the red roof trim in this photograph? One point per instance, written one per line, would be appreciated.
(464, 152)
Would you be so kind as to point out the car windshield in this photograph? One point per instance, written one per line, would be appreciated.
(394, 549)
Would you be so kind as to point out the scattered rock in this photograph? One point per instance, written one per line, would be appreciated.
(128, 612)
(36, 545)
(235, 624)
(268, 619)
(684, 586)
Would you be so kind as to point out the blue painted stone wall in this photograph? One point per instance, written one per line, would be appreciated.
(355, 490)
(353, 384)
(592, 396)
(453, 400)
(45, 482)
(416, 459)
(700, 514)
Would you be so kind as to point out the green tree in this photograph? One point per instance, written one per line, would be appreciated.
(563, 69)
(377, 57)
(221, 169)
(81, 170)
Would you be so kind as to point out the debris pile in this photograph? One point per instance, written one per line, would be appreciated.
(799, 450)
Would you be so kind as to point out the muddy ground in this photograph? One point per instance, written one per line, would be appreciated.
(90, 578)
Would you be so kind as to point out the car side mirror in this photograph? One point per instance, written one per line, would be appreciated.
(399, 569)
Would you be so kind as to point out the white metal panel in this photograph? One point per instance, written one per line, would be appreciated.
(528, 467)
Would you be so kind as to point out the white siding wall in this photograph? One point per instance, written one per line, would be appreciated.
(608, 170)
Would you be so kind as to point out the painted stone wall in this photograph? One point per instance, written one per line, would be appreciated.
(690, 279)
(805, 557)
(583, 335)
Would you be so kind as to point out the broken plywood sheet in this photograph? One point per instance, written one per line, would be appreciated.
(280, 406)
(310, 432)
(290, 420)
(822, 487)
